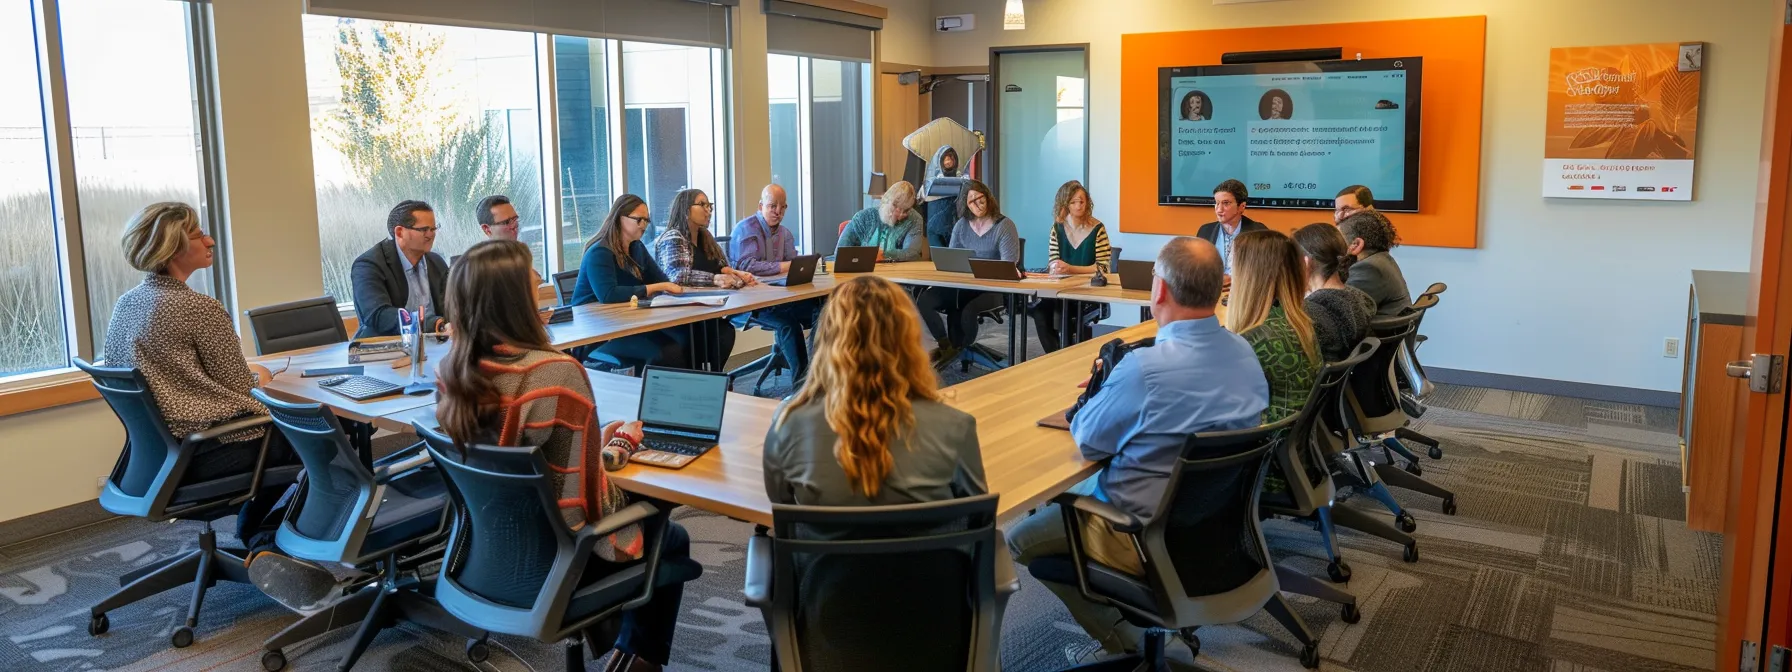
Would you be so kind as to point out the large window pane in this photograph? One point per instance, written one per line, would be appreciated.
(434, 113)
(784, 83)
(838, 134)
(33, 336)
(581, 73)
(130, 103)
(672, 123)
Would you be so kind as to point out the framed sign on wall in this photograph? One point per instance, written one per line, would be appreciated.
(1622, 121)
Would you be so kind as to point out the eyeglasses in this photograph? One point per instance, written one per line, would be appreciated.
(508, 222)
(707, 206)
(645, 221)
(425, 230)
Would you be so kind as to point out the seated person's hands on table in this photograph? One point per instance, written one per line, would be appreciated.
(664, 288)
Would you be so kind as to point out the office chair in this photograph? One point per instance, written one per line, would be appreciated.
(379, 520)
(901, 587)
(528, 574)
(1205, 561)
(564, 283)
(983, 355)
(1414, 386)
(766, 365)
(149, 481)
(1310, 492)
(1371, 413)
(296, 324)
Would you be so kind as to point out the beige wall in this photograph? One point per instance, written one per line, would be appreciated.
(908, 33)
(1581, 291)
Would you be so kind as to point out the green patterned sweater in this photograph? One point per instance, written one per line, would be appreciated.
(1291, 373)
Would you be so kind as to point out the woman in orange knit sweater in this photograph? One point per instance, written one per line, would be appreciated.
(503, 383)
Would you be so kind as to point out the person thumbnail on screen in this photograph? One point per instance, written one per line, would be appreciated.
(1196, 106)
(1275, 104)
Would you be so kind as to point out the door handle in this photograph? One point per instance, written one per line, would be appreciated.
(1741, 368)
(1765, 373)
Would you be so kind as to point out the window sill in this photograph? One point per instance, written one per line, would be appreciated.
(50, 389)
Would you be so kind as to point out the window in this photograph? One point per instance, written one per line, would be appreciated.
(440, 114)
(33, 336)
(582, 85)
(133, 129)
(819, 142)
(672, 123)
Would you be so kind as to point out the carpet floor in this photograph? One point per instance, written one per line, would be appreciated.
(1569, 553)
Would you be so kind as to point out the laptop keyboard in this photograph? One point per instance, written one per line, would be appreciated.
(674, 445)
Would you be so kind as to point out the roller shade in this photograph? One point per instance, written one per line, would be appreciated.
(689, 22)
(804, 30)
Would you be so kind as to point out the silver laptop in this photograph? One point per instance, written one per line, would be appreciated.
(951, 259)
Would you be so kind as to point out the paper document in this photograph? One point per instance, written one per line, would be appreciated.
(666, 300)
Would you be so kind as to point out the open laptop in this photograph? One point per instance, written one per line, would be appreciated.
(855, 259)
(951, 259)
(995, 269)
(1135, 274)
(681, 415)
(802, 272)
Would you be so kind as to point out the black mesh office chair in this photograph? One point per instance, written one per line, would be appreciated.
(564, 282)
(898, 588)
(1414, 386)
(1300, 466)
(150, 481)
(513, 566)
(1204, 556)
(296, 324)
(1371, 413)
(380, 520)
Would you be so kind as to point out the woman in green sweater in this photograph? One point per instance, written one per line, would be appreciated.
(893, 227)
(1078, 246)
(1268, 308)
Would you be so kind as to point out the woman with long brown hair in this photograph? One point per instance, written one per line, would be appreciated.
(1078, 246)
(617, 267)
(868, 428)
(1268, 308)
(502, 383)
(692, 258)
(1340, 312)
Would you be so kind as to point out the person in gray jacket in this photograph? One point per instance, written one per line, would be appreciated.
(1370, 236)
(869, 427)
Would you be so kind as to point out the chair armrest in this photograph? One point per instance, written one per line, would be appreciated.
(1007, 582)
(1121, 521)
(401, 454)
(228, 427)
(758, 588)
(385, 472)
(633, 513)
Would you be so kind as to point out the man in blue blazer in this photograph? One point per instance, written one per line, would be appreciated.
(1228, 205)
(401, 272)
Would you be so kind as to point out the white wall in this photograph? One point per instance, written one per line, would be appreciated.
(908, 32)
(1580, 291)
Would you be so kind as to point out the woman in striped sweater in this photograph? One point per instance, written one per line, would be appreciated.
(1079, 244)
(502, 383)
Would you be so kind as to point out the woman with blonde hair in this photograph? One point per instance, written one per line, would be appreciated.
(1268, 308)
(869, 428)
(1078, 246)
(893, 226)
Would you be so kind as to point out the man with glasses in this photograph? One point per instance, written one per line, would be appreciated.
(763, 246)
(498, 219)
(1351, 200)
(401, 272)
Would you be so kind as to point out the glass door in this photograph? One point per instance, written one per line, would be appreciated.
(1040, 137)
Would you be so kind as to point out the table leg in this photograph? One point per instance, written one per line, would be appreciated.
(1025, 325)
(1013, 318)
(692, 348)
(1064, 339)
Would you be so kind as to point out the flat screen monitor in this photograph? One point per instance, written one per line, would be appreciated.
(1294, 133)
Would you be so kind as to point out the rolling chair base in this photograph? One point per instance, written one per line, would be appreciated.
(202, 568)
(980, 355)
(374, 607)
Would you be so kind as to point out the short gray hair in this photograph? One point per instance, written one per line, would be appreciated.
(901, 193)
(1192, 271)
(157, 234)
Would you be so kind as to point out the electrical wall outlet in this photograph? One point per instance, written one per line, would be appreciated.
(1671, 348)
(99, 485)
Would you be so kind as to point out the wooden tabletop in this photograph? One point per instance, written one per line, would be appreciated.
(288, 385)
(594, 322)
(1113, 294)
(924, 273)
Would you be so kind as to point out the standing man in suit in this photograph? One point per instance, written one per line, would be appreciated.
(1228, 206)
(401, 272)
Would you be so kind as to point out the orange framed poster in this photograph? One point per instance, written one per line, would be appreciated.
(1622, 121)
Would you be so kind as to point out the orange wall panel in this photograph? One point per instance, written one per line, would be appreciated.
(1454, 50)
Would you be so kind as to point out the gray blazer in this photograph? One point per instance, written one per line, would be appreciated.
(1379, 276)
(939, 460)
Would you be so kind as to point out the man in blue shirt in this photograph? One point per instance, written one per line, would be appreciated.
(1198, 377)
(763, 246)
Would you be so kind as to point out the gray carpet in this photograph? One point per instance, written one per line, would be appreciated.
(1569, 553)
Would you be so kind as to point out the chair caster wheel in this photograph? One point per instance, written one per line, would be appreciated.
(1414, 469)
(1412, 553)
(1338, 571)
(1405, 522)
(1436, 452)
(273, 661)
(1450, 505)
(1350, 614)
(183, 637)
(1192, 642)
(478, 651)
(98, 625)
(1309, 657)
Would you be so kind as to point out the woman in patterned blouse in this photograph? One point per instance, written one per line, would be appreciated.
(1268, 308)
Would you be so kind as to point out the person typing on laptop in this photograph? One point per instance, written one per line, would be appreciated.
(983, 230)
(502, 383)
(764, 247)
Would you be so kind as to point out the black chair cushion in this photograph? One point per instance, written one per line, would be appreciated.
(412, 509)
(299, 328)
(858, 612)
(1102, 580)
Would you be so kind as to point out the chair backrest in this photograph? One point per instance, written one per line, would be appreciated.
(564, 282)
(296, 324)
(1301, 455)
(330, 519)
(849, 582)
(1204, 540)
(1372, 393)
(151, 453)
(1435, 289)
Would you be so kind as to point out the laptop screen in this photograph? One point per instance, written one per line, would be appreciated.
(683, 399)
